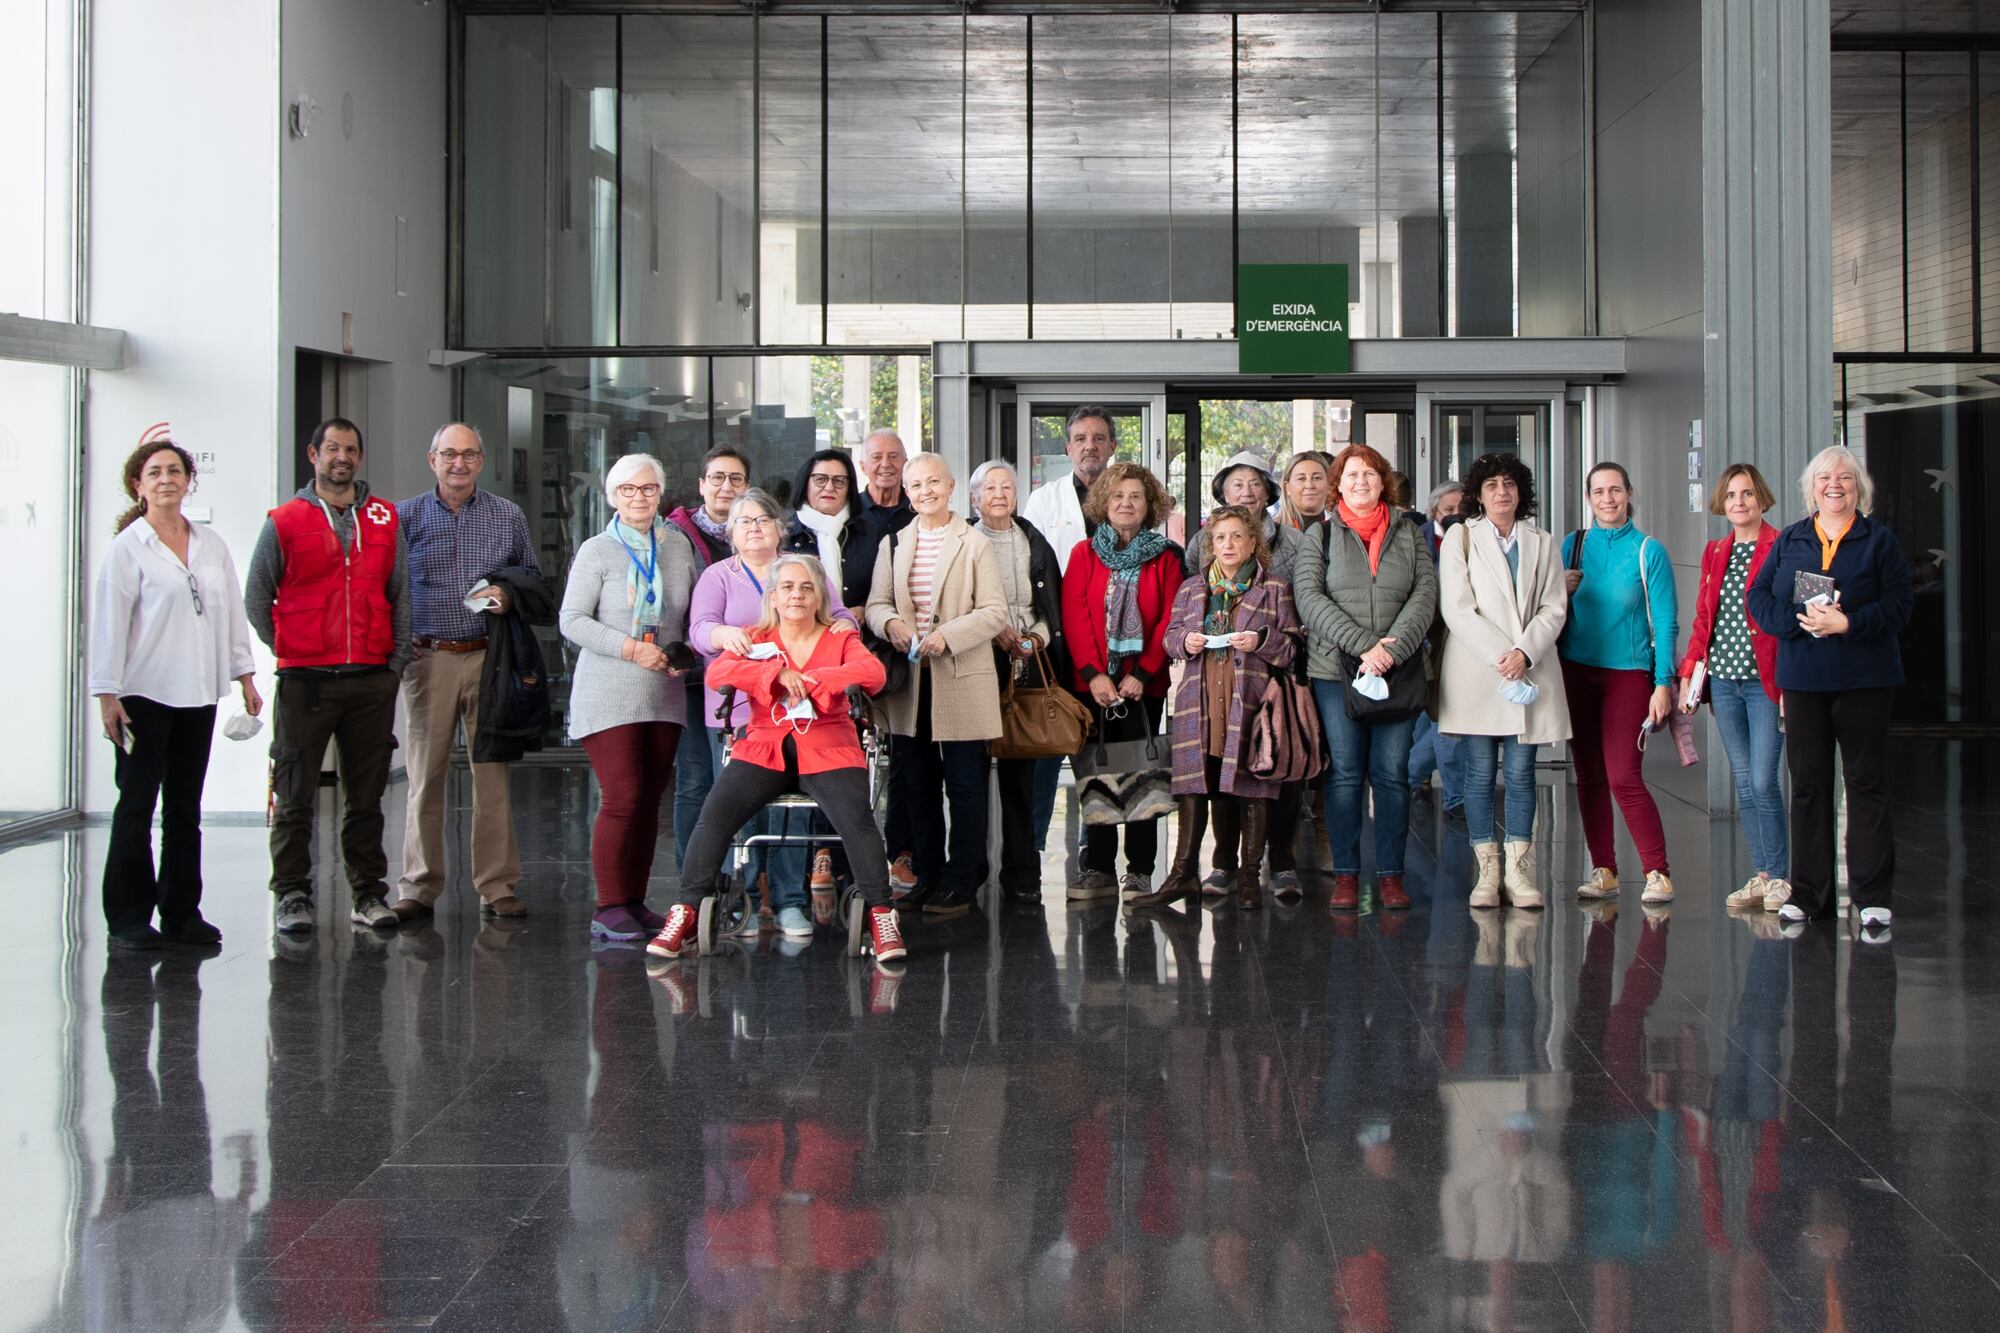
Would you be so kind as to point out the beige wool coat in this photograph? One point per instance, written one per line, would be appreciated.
(1486, 613)
(969, 608)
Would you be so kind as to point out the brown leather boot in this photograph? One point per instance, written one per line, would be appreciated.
(1184, 875)
(1250, 872)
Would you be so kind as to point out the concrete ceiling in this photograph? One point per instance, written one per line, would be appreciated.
(1131, 111)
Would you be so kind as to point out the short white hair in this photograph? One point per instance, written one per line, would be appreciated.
(934, 460)
(1823, 462)
(628, 467)
(437, 437)
(986, 469)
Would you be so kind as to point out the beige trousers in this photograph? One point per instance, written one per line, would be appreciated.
(441, 690)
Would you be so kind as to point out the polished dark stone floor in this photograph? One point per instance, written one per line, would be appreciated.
(1058, 1119)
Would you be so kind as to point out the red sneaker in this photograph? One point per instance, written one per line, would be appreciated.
(885, 934)
(676, 936)
(1389, 892)
(1346, 893)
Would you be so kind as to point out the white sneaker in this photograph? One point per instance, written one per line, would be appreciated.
(1659, 889)
(1791, 911)
(1603, 883)
(1751, 894)
(1776, 894)
(372, 911)
(1874, 916)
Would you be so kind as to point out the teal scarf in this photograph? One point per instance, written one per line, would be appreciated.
(1223, 594)
(1124, 631)
(642, 565)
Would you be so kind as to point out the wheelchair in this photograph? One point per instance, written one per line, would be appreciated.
(728, 914)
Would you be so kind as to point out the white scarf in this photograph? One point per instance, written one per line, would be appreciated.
(827, 528)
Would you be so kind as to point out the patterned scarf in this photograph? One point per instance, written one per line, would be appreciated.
(1124, 631)
(646, 602)
(717, 530)
(1223, 594)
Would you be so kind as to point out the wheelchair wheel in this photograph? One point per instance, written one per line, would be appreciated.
(854, 911)
(733, 906)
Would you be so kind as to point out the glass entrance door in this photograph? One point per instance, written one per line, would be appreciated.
(1138, 422)
(1464, 426)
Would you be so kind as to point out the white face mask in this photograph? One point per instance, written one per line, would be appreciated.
(1370, 687)
(1522, 692)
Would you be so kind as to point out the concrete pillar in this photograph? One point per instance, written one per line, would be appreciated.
(1767, 222)
(1418, 253)
(854, 396)
(1482, 245)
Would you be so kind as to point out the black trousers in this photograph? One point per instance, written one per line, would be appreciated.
(1857, 723)
(167, 767)
(1020, 863)
(936, 777)
(743, 788)
(1142, 839)
(357, 711)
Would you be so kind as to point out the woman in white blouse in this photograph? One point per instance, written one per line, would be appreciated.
(167, 636)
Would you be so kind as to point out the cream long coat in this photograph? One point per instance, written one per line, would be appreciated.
(969, 608)
(1488, 613)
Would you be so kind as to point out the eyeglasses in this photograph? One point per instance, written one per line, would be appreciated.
(450, 456)
(827, 481)
(194, 591)
(726, 479)
(755, 521)
(630, 491)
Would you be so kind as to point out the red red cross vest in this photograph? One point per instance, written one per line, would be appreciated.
(332, 607)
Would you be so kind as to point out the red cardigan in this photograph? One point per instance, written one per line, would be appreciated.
(838, 660)
(1086, 587)
(1714, 565)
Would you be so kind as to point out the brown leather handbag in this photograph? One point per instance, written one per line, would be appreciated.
(1042, 722)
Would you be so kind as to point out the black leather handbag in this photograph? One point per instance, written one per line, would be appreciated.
(1409, 691)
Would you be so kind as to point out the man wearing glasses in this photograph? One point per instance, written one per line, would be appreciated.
(328, 592)
(725, 474)
(456, 535)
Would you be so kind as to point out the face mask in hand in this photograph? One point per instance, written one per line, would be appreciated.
(1522, 691)
(1370, 687)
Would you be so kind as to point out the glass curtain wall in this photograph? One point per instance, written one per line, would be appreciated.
(890, 180)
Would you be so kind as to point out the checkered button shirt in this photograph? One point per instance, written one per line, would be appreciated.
(450, 551)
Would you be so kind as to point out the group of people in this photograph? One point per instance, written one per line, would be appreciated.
(723, 649)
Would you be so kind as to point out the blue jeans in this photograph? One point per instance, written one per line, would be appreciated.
(694, 774)
(1432, 750)
(785, 866)
(1748, 721)
(1516, 764)
(1378, 754)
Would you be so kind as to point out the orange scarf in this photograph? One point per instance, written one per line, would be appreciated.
(1373, 530)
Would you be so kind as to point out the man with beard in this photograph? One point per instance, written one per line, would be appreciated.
(328, 592)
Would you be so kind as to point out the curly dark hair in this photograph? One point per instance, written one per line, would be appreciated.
(135, 464)
(1488, 466)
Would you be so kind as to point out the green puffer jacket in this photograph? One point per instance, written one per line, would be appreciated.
(1346, 609)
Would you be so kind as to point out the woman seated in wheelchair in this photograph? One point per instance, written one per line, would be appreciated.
(795, 672)
(1234, 626)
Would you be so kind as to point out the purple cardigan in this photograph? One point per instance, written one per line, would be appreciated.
(724, 595)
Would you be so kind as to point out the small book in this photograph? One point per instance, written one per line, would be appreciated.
(1697, 682)
(1807, 585)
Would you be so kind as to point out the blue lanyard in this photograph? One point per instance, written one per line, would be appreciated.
(652, 561)
(754, 581)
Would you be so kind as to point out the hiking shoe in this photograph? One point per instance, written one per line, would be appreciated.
(794, 924)
(677, 934)
(885, 935)
(1603, 883)
(1093, 884)
(1751, 895)
(372, 911)
(295, 914)
(617, 923)
(1659, 889)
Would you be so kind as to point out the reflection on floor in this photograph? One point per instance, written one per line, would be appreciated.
(1618, 1118)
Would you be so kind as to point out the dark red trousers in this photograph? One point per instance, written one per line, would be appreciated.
(635, 768)
(1606, 710)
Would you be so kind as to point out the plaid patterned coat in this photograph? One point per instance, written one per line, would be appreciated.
(1268, 607)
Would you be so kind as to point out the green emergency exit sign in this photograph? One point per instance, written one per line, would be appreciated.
(1291, 319)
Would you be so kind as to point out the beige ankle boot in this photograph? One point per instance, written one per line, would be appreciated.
(1523, 882)
(1486, 891)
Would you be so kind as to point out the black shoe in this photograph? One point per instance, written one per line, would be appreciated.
(944, 904)
(135, 937)
(194, 931)
(1024, 896)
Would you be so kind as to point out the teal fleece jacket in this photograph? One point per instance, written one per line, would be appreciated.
(1608, 625)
